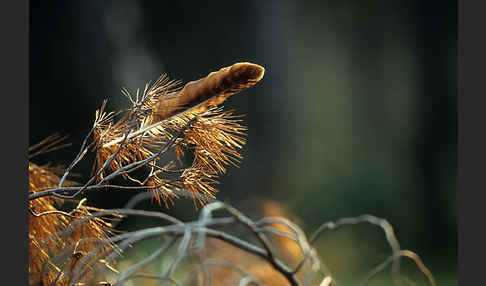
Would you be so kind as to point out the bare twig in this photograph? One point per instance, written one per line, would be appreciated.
(407, 253)
(245, 221)
(130, 271)
(385, 225)
(196, 231)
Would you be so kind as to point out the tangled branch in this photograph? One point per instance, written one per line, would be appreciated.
(190, 241)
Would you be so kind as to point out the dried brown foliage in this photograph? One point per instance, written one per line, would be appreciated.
(187, 120)
(163, 118)
(52, 232)
(74, 244)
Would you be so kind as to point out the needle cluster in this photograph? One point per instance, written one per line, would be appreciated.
(164, 118)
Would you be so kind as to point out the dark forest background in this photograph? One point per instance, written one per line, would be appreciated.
(356, 112)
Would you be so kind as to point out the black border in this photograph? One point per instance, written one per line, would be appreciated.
(14, 31)
(471, 141)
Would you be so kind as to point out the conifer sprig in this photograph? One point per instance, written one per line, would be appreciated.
(165, 117)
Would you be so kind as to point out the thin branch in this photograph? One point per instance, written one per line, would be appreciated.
(300, 237)
(382, 223)
(69, 214)
(134, 134)
(82, 152)
(406, 253)
(245, 221)
(130, 271)
(50, 144)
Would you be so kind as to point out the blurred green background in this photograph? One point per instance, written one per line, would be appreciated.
(356, 113)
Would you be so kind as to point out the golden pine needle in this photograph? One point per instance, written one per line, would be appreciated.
(211, 134)
(50, 234)
(200, 95)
